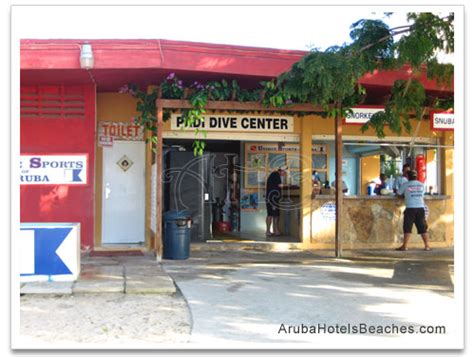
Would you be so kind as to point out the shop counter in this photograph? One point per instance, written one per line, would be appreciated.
(377, 221)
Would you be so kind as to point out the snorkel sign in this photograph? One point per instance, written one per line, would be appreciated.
(53, 169)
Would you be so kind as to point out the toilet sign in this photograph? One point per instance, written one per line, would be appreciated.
(68, 169)
(49, 251)
(109, 131)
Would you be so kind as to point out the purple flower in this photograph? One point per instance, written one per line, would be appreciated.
(124, 89)
(171, 76)
(288, 101)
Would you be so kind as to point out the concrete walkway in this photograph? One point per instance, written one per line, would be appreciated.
(245, 299)
(238, 298)
(122, 274)
(117, 302)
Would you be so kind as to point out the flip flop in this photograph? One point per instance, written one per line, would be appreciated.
(428, 249)
(269, 234)
(401, 249)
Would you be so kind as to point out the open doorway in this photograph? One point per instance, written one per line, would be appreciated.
(213, 188)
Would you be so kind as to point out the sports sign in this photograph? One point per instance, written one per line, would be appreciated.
(68, 169)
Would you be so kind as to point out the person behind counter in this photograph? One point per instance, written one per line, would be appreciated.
(272, 199)
(345, 189)
(316, 183)
(400, 180)
(382, 185)
(413, 190)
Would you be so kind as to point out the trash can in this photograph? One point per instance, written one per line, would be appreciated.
(177, 235)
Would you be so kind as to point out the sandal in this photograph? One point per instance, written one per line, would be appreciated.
(427, 249)
(402, 249)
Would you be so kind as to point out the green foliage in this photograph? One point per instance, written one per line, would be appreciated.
(219, 90)
(406, 100)
(441, 72)
(172, 87)
(329, 78)
(372, 42)
(273, 95)
(390, 167)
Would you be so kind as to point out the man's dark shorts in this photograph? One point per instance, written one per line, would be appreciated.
(273, 210)
(273, 204)
(417, 216)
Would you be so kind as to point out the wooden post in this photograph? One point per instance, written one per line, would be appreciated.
(159, 179)
(306, 188)
(338, 134)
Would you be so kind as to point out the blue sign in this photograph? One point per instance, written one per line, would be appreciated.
(328, 211)
(49, 252)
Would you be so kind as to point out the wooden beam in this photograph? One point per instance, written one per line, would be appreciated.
(233, 105)
(256, 106)
(159, 177)
(338, 134)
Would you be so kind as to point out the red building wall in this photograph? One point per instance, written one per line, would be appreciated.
(59, 120)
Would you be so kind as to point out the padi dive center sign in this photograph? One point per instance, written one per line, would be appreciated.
(49, 251)
(361, 115)
(68, 169)
(220, 122)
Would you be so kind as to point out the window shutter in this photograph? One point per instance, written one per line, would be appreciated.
(52, 102)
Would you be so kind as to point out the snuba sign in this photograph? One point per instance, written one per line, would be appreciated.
(53, 169)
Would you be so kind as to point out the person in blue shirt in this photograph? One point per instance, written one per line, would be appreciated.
(413, 191)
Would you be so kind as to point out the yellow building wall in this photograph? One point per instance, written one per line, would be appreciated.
(115, 107)
(370, 171)
(121, 107)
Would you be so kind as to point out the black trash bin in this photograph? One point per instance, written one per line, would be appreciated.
(177, 235)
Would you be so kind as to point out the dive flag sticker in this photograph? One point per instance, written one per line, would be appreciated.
(49, 252)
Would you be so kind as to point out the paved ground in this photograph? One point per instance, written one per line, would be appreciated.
(239, 298)
(231, 299)
(116, 302)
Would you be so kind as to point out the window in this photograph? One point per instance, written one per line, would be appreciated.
(320, 161)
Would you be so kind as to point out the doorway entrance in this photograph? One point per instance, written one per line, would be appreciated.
(123, 193)
(213, 188)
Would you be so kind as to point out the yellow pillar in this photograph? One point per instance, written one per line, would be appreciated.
(447, 182)
(306, 188)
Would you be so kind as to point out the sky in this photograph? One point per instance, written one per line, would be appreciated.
(283, 27)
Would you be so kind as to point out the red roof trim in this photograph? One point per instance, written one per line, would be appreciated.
(184, 56)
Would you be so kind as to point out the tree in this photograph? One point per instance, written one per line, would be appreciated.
(330, 78)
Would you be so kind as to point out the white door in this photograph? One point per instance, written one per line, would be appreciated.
(123, 193)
